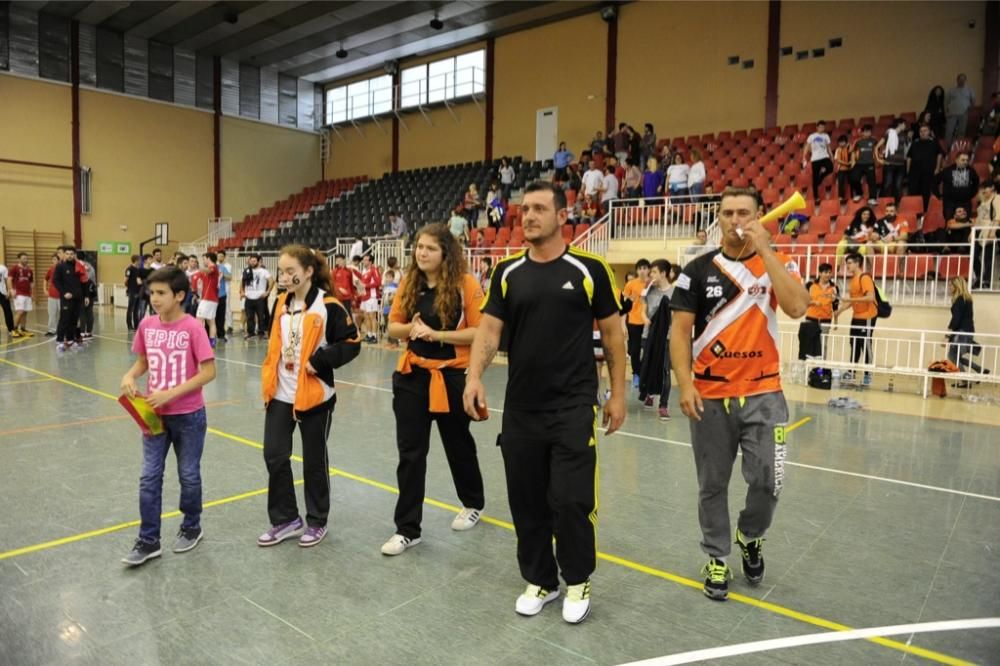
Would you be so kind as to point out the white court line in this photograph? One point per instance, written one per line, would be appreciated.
(675, 442)
(816, 639)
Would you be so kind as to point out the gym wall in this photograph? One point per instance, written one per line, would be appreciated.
(893, 53)
(151, 162)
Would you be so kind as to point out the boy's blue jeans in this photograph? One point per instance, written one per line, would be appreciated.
(187, 434)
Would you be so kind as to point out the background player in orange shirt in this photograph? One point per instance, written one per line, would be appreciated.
(633, 322)
(729, 299)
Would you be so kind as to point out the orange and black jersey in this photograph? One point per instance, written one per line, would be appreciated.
(549, 309)
(735, 348)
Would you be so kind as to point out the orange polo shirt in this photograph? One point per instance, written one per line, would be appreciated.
(633, 291)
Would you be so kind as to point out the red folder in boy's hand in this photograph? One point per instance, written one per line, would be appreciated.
(143, 413)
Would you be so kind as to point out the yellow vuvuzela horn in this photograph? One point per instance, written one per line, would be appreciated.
(794, 202)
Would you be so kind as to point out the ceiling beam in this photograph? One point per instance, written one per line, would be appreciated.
(213, 15)
(331, 68)
(168, 18)
(97, 12)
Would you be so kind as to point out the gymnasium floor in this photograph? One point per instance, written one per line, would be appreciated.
(885, 519)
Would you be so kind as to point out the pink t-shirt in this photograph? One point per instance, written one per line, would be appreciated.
(173, 351)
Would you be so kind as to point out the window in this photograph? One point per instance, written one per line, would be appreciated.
(449, 78)
(413, 86)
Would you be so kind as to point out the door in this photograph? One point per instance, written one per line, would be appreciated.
(546, 132)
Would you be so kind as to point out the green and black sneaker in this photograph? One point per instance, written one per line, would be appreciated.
(717, 575)
(753, 560)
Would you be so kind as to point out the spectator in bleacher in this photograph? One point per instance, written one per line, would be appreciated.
(573, 181)
(935, 107)
(562, 159)
(843, 163)
(397, 226)
(472, 204)
(652, 180)
(648, 143)
(495, 207)
(619, 172)
(958, 229)
(858, 233)
(588, 210)
(507, 176)
(485, 273)
(891, 154)
(633, 180)
(597, 144)
(860, 299)
(863, 152)
(923, 162)
(700, 245)
(609, 187)
(985, 250)
(959, 184)
(957, 103)
(458, 225)
(677, 176)
(816, 152)
(634, 144)
(620, 141)
(893, 230)
(592, 180)
(961, 342)
(823, 300)
(697, 174)
(990, 124)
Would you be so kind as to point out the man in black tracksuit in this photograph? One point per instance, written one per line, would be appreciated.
(67, 281)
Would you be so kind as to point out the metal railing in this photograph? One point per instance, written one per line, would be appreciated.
(653, 218)
(595, 239)
(899, 353)
(918, 278)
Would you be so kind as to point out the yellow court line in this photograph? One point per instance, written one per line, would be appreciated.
(124, 526)
(25, 381)
(798, 424)
(614, 559)
(11, 343)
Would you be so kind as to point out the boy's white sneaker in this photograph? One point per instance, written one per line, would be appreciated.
(576, 604)
(533, 600)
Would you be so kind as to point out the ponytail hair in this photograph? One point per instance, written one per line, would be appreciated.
(314, 259)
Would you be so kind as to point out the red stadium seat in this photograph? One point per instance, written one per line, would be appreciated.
(830, 207)
(912, 205)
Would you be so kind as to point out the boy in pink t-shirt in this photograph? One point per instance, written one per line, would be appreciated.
(173, 347)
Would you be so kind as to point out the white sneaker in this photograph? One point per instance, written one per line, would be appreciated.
(534, 599)
(576, 604)
(466, 519)
(397, 543)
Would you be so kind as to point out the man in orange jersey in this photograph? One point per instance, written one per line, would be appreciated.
(729, 298)
(633, 322)
(823, 300)
(861, 299)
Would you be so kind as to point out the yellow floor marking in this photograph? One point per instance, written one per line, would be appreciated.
(614, 559)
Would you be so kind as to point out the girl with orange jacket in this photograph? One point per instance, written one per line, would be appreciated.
(311, 334)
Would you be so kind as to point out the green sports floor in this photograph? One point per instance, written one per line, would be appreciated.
(884, 520)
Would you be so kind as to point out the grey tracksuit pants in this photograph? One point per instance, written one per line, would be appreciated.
(756, 425)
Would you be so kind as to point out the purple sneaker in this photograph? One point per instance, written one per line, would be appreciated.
(312, 536)
(279, 533)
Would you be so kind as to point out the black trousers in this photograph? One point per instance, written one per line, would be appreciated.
(864, 172)
(220, 317)
(843, 183)
(69, 319)
(811, 337)
(410, 400)
(314, 426)
(87, 317)
(892, 180)
(820, 170)
(861, 339)
(135, 312)
(8, 316)
(256, 312)
(635, 346)
(550, 459)
(920, 181)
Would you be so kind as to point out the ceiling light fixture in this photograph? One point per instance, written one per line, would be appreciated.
(437, 23)
(341, 53)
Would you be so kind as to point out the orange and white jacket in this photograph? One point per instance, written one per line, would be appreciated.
(329, 340)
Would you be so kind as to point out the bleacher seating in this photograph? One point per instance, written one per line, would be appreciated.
(358, 208)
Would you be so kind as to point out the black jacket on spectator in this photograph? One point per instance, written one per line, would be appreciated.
(961, 317)
(67, 280)
(957, 185)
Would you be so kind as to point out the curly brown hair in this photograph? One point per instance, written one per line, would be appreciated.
(447, 299)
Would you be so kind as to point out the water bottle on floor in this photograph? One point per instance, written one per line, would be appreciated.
(836, 379)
